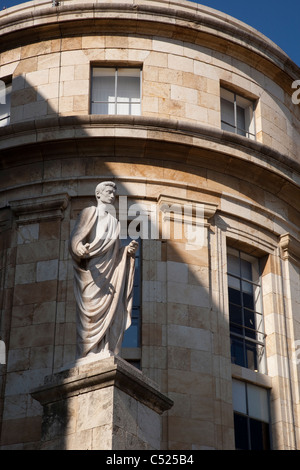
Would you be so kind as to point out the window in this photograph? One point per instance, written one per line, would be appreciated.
(5, 92)
(251, 416)
(245, 311)
(132, 335)
(237, 114)
(116, 90)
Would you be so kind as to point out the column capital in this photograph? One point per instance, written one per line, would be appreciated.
(35, 209)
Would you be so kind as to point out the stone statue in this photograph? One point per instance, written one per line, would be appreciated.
(103, 277)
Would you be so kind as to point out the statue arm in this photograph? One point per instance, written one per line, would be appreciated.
(83, 226)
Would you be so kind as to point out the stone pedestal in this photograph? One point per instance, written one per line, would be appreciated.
(102, 404)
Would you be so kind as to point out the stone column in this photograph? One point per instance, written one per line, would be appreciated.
(104, 404)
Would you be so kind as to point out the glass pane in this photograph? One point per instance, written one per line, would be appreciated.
(246, 270)
(131, 336)
(103, 88)
(249, 319)
(240, 116)
(251, 355)
(227, 116)
(234, 296)
(247, 287)
(235, 316)
(237, 352)
(259, 435)
(239, 401)
(234, 283)
(248, 301)
(128, 91)
(136, 296)
(102, 108)
(258, 405)
(241, 432)
(233, 265)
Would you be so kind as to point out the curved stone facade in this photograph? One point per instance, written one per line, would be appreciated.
(174, 154)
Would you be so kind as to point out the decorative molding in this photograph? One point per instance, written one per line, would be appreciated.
(175, 205)
(289, 248)
(36, 209)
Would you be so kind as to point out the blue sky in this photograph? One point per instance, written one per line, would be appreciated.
(279, 20)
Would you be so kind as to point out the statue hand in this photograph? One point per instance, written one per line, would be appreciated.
(83, 249)
(132, 247)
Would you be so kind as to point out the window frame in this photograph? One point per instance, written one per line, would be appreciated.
(246, 341)
(116, 75)
(238, 98)
(8, 85)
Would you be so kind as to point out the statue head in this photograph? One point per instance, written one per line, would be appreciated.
(105, 192)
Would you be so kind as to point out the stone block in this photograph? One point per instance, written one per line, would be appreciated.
(46, 270)
(180, 63)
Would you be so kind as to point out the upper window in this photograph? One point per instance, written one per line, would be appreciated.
(245, 311)
(5, 92)
(237, 114)
(116, 90)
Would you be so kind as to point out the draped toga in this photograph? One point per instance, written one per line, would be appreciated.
(103, 283)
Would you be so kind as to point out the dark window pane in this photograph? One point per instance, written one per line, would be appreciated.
(235, 314)
(240, 112)
(241, 432)
(249, 318)
(259, 435)
(251, 355)
(234, 296)
(248, 300)
(131, 336)
(237, 352)
(236, 319)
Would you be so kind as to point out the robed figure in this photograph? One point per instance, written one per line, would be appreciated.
(103, 277)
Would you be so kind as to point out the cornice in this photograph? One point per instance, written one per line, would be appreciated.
(169, 131)
(184, 20)
(87, 376)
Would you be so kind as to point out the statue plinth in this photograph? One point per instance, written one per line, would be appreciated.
(104, 404)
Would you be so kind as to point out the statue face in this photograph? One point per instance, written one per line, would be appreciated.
(107, 196)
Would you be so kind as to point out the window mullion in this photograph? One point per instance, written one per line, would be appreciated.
(235, 114)
(116, 89)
